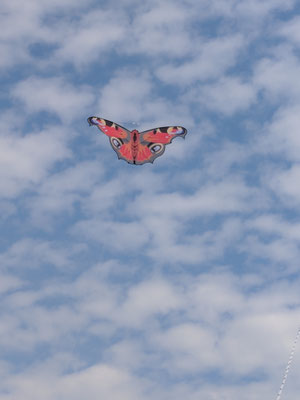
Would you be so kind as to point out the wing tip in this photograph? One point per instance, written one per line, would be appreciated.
(89, 120)
(183, 135)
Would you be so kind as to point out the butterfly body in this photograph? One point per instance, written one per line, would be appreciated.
(137, 147)
(135, 143)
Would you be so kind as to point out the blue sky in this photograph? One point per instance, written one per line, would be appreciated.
(167, 281)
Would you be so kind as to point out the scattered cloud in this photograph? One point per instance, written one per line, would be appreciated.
(177, 279)
(213, 58)
(53, 95)
(229, 95)
(26, 160)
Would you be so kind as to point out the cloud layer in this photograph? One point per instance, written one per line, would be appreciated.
(178, 279)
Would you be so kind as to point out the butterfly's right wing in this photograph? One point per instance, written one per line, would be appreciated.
(154, 141)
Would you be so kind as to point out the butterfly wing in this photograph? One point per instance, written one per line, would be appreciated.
(153, 142)
(119, 137)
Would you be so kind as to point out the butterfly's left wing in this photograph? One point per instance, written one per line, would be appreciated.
(119, 136)
(154, 141)
(111, 129)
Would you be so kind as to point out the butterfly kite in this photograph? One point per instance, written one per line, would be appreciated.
(137, 147)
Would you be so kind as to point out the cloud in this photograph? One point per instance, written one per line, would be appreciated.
(26, 160)
(256, 9)
(63, 191)
(148, 299)
(176, 317)
(173, 280)
(29, 253)
(87, 40)
(276, 239)
(53, 95)
(9, 282)
(291, 31)
(280, 138)
(253, 10)
(131, 96)
(228, 95)
(157, 224)
(114, 383)
(223, 161)
(229, 195)
(216, 295)
(192, 346)
(284, 184)
(276, 76)
(211, 61)
(160, 29)
(126, 93)
(25, 25)
(275, 225)
(121, 236)
(279, 251)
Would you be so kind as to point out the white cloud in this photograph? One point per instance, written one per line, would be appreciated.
(228, 95)
(160, 29)
(280, 251)
(229, 195)
(253, 10)
(214, 295)
(284, 184)
(280, 137)
(105, 196)
(10, 55)
(29, 253)
(158, 221)
(276, 225)
(9, 283)
(63, 191)
(113, 383)
(131, 96)
(223, 161)
(125, 95)
(291, 30)
(273, 238)
(212, 59)
(252, 343)
(87, 40)
(26, 160)
(189, 346)
(201, 300)
(120, 236)
(148, 299)
(53, 95)
(172, 243)
(255, 330)
(258, 9)
(24, 25)
(277, 76)
(97, 381)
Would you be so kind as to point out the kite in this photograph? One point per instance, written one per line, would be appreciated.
(137, 147)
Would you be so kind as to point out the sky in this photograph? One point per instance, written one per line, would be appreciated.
(178, 279)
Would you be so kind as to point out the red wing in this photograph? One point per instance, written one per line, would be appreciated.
(155, 140)
(110, 128)
(124, 151)
(119, 137)
(163, 135)
(144, 154)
